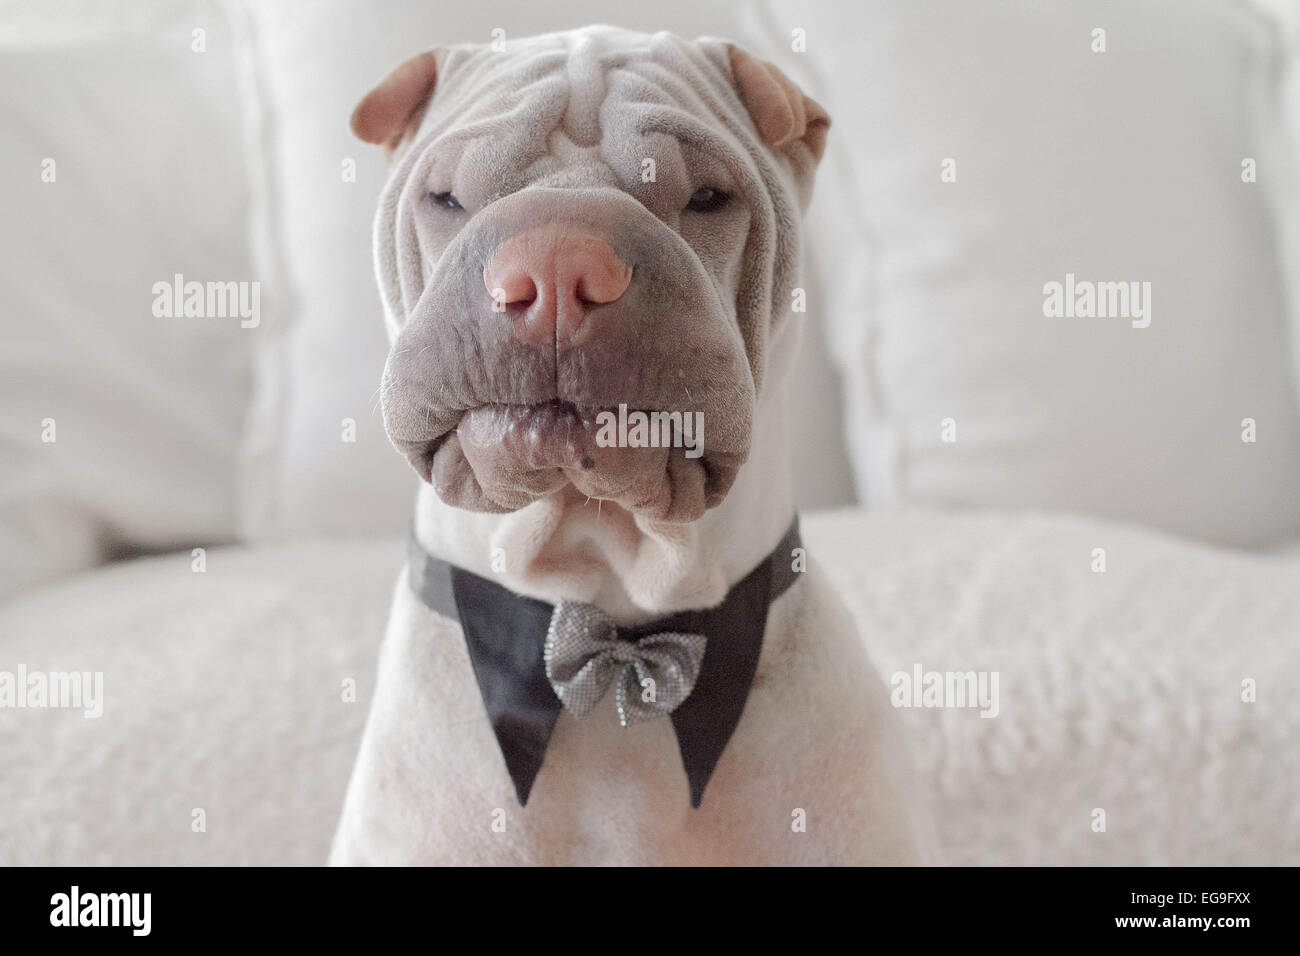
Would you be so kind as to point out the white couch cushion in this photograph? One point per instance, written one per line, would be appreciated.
(1116, 166)
(1119, 691)
(123, 164)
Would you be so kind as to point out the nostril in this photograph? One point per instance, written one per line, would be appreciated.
(604, 282)
(509, 289)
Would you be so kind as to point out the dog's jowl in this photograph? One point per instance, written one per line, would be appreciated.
(609, 645)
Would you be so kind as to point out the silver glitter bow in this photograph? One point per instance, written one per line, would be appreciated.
(584, 655)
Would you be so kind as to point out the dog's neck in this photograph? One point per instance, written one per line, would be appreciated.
(565, 546)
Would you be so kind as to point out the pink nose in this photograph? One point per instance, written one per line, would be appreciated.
(548, 279)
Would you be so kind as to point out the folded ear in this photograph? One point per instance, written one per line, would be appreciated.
(397, 104)
(780, 110)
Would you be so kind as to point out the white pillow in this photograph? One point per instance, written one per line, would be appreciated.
(1116, 166)
(122, 163)
(322, 365)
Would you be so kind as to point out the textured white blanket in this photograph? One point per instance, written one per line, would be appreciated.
(227, 691)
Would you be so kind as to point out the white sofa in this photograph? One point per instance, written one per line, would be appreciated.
(180, 511)
(230, 692)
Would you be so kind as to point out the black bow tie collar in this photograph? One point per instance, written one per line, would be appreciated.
(531, 658)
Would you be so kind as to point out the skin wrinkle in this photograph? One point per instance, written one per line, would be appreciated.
(645, 376)
(586, 94)
(705, 305)
(739, 166)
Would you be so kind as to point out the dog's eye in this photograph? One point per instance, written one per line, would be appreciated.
(447, 200)
(707, 199)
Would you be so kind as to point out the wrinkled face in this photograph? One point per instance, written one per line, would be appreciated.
(569, 246)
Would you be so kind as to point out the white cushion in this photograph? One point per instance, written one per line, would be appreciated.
(1117, 166)
(123, 164)
(222, 691)
(1119, 691)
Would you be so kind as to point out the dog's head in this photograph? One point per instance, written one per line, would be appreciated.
(578, 228)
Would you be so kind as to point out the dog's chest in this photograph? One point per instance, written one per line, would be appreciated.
(606, 794)
(807, 776)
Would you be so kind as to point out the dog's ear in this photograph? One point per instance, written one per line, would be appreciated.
(397, 104)
(780, 110)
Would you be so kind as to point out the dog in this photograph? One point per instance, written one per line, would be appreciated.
(581, 232)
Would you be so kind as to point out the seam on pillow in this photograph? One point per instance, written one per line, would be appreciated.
(876, 454)
(1275, 105)
(257, 488)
